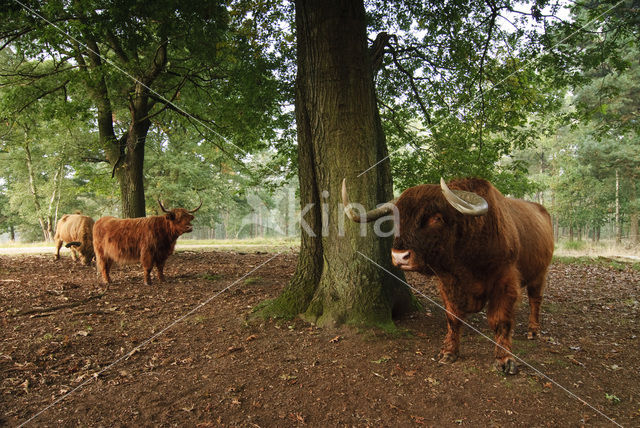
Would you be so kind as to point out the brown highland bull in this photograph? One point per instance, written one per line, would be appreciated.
(148, 240)
(482, 247)
(77, 231)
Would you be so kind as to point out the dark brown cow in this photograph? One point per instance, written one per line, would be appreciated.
(148, 240)
(76, 231)
(482, 246)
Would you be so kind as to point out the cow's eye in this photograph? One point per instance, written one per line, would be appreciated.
(435, 220)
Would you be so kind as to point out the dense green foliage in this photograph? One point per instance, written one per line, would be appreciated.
(543, 103)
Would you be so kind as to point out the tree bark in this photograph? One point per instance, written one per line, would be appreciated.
(634, 214)
(125, 154)
(130, 169)
(32, 187)
(339, 135)
(618, 222)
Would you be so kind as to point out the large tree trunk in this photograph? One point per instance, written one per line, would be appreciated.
(124, 154)
(130, 171)
(339, 135)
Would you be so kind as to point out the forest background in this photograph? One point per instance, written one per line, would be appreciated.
(540, 98)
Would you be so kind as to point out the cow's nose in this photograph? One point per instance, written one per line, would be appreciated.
(400, 257)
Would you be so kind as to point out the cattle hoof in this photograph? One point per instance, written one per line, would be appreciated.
(446, 357)
(507, 367)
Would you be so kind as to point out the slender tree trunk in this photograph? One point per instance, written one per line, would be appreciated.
(225, 224)
(618, 222)
(339, 135)
(286, 215)
(634, 215)
(57, 182)
(32, 187)
(554, 217)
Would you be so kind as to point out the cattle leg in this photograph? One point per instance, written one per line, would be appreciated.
(160, 269)
(501, 314)
(147, 265)
(103, 265)
(534, 291)
(58, 245)
(451, 345)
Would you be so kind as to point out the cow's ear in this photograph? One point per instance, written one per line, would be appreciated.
(171, 216)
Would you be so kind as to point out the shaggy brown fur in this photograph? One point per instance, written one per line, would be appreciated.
(478, 259)
(148, 240)
(76, 230)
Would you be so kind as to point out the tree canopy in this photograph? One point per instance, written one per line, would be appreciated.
(194, 101)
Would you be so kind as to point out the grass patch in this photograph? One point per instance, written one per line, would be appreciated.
(618, 265)
(550, 307)
(612, 398)
(197, 319)
(211, 276)
(523, 347)
(471, 369)
(267, 245)
(534, 384)
(559, 362)
(252, 280)
(293, 241)
(574, 245)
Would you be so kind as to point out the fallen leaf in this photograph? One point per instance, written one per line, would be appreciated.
(382, 359)
(285, 376)
(418, 419)
(432, 381)
(297, 417)
(335, 339)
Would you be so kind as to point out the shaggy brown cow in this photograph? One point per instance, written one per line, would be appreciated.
(76, 231)
(482, 246)
(148, 240)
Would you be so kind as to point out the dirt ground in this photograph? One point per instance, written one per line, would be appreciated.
(183, 354)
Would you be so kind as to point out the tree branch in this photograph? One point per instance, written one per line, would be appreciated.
(412, 83)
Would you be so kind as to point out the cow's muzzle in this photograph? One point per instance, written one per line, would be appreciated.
(402, 259)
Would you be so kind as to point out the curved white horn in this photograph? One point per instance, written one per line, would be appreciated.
(194, 210)
(468, 203)
(369, 216)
